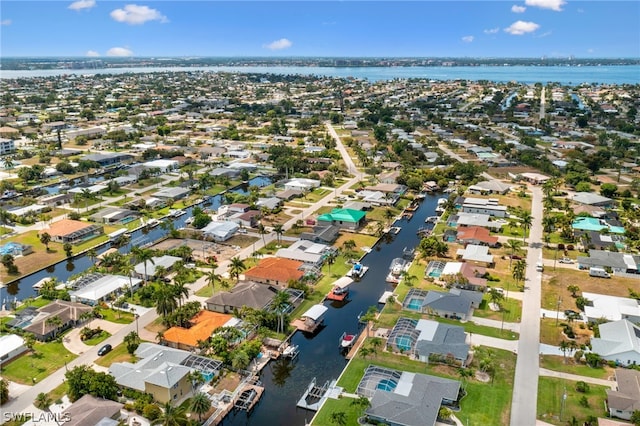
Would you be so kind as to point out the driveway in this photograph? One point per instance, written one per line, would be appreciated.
(75, 345)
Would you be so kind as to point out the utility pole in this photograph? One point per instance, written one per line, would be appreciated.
(564, 398)
(558, 310)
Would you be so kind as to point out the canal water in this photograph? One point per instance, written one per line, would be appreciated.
(23, 288)
(286, 381)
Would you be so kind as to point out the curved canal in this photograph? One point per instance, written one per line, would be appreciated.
(22, 288)
(320, 357)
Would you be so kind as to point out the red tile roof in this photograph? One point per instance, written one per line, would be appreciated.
(203, 324)
(275, 269)
(476, 233)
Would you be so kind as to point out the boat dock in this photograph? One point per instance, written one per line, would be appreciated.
(385, 297)
(354, 348)
(248, 397)
(311, 320)
(340, 289)
(315, 395)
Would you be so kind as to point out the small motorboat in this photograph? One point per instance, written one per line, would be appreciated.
(357, 271)
(347, 340)
(290, 351)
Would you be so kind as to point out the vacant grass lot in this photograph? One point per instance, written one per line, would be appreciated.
(550, 394)
(44, 360)
(557, 363)
(554, 284)
(511, 308)
(361, 240)
(551, 334)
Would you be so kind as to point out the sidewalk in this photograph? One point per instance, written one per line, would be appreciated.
(512, 326)
(576, 378)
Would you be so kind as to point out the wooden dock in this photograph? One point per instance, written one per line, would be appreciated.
(354, 348)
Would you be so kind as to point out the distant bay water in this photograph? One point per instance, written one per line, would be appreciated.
(567, 75)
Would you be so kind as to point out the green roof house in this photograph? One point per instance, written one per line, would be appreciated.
(343, 218)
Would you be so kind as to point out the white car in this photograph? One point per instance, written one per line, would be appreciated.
(566, 260)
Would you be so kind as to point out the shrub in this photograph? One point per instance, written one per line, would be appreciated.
(151, 412)
(582, 387)
(584, 402)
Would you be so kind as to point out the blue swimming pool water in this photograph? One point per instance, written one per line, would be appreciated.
(403, 343)
(207, 376)
(387, 385)
(435, 273)
(415, 304)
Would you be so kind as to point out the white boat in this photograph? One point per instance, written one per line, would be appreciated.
(357, 271)
(398, 266)
(153, 222)
(290, 351)
(431, 219)
(177, 213)
(189, 221)
(395, 230)
(347, 340)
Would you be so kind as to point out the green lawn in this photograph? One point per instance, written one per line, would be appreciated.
(97, 338)
(345, 405)
(550, 395)
(58, 392)
(47, 358)
(38, 302)
(512, 309)
(117, 354)
(556, 363)
(119, 317)
(316, 195)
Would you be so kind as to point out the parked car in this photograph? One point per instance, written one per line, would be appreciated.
(566, 260)
(104, 350)
(569, 313)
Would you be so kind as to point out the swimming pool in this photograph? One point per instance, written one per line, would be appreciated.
(435, 274)
(387, 385)
(403, 343)
(415, 303)
(207, 376)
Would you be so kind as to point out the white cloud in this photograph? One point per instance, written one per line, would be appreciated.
(546, 4)
(283, 43)
(522, 27)
(82, 4)
(133, 14)
(492, 30)
(548, 33)
(518, 9)
(467, 39)
(92, 53)
(5, 22)
(119, 51)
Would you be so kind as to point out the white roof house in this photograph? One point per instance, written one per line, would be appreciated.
(220, 231)
(11, 345)
(611, 308)
(302, 184)
(165, 261)
(475, 253)
(163, 165)
(101, 286)
(304, 251)
(619, 341)
(475, 219)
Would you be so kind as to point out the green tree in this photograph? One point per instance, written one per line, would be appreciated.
(45, 239)
(132, 340)
(4, 391)
(82, 380)
(236, 268)
(519, 271)
(166, 301)
(514, 247)
(172, 416)
(68, 249)
(525, 221)
(42, 401)
(280, 305)
(200, 404)
(54, 322)
(279, 230)
(573, 289)
(609, 190)
(635, 417)
(240, 360)
(144, 256)
(339, 418)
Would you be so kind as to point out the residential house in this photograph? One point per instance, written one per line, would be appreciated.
(248, 219)
(91, 289)
(343, 218)
(34, 320)
(150, 267)
(163, 372)
(109, 158)
(535, 178)
(468, 219)
(489, 187)
(322, 234)
(302, 184)
(623, 401)
(619, 341)
(476, 254)
(592, 199)
(470, 274)
(270, 203)
(11, 346)
(201, 327)
(90, 410)
(611, 308)
(427, 340)
(476, 235)
(73, 231)
(162, 165)
(275, 271)
(248, 293)
(415, 401)
(289, 194)
(220, 231)
(389, 177)
(7, 146)
(487, 206)
(618, 263)
(313, 254)
(172, 194)
(114, 215)
(456, 303)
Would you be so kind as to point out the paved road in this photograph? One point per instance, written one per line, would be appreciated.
(348, 161)
(23, 402)
(543, 102)
(525, 386)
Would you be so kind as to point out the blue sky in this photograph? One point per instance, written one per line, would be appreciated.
(523, 28)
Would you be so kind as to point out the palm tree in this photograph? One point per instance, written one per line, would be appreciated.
(143, 256)
(339, 418)
(236, 268)
(519, 270)
(128, 269)
(42, 401)
(279, 230)
(564, 347)
(388, 215)
(262, 231)
(240, 360)
(55, 322)
(514, 246)
(525, 221)
(279, 305)
(349, 245)
(180, 289)
(200, 404)
(4, 391)
(211, 279)
(172, 416)
(45, 239)
(165, 301)
(409, 279)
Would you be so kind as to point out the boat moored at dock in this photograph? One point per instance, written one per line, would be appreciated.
(397, 268)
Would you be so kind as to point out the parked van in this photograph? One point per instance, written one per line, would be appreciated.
(598, 272)
(539, 266)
